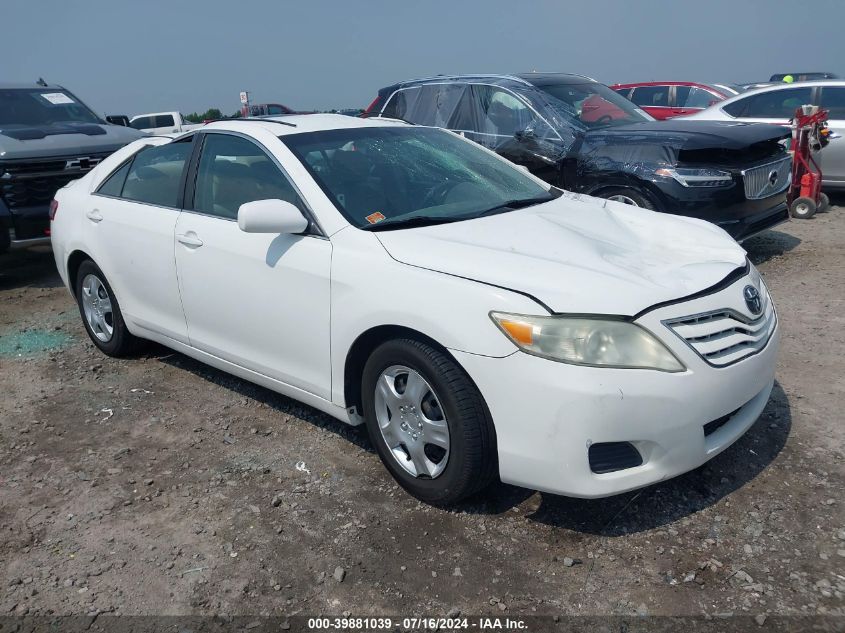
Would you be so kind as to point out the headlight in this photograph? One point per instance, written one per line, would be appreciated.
(587, 341)
(698, 177)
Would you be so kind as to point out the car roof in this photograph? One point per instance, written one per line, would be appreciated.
(525, 79)
(839, 83)
(6, 85)
(299, 123)
(636, 84)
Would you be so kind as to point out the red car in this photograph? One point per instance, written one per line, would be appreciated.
(669, 99)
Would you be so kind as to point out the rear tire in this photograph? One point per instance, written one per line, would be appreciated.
(802, 208)
(101, 314)
(824, 203)
(628, 196)
(400, 431)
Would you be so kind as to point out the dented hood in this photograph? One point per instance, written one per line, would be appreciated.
(577, 254)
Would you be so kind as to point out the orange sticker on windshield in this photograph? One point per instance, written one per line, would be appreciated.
(373, 218)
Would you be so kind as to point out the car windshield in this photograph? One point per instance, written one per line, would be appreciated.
(593, 105)
(397, 177)
(44, 106)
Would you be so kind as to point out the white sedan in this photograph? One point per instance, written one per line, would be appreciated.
(481, 323)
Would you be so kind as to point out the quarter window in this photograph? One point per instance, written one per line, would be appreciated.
(155, 175)
(651, 96)
(233, 171)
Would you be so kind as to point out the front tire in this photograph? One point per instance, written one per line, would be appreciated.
(824, 203)
(428, 422)
(101, 314)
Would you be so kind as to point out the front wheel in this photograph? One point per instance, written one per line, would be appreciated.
(803, 208)
(824, 203)
(428, 422)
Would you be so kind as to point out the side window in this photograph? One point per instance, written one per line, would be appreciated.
(142, 123)
(113, 186)
(164, 120)
(623, 91)
(651, 96)
(276, 109)
(156, 174)
(775, 104)
(696, 98)
(233, 171)
(833, 99)
(439, 105)
(503, 114)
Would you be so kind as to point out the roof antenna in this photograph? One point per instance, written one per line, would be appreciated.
(41, 82)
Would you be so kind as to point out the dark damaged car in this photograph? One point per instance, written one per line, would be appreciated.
(580, 135)
(48, 137)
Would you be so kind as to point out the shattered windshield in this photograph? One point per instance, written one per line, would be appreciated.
(44, 106)
(392, 177)
(592, 105)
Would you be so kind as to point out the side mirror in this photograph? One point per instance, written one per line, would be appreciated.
(528, 134)
(271, 216)
(118, 119)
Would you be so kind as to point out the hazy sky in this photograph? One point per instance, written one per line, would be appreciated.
(148, 55)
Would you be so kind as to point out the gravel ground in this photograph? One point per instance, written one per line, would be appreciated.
(157, 485)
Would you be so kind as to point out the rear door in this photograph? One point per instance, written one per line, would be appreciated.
(832, 98)
(257, 300)
(654, 100)
(691, 99)
(130, 222)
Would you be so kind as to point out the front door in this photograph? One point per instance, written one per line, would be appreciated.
(260, 301)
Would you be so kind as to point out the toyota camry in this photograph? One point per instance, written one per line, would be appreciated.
(481, 323)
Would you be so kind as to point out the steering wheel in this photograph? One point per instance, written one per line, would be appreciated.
(437, 194)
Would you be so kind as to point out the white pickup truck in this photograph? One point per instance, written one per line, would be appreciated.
(162, 123)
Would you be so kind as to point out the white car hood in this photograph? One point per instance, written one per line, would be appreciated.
(577, 254)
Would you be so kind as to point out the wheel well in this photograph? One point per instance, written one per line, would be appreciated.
(73, 263)
(639, 187)
(360, 351)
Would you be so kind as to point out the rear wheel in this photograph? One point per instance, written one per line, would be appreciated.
(628, 196)
(428, 422)
(803, 208)
(101, 313)
(824, 203)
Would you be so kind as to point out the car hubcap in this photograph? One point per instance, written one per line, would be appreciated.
(412, 422)
(624, 200)
(97, 307)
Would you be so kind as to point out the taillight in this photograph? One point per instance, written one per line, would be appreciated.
(370, 108)
(54, 207)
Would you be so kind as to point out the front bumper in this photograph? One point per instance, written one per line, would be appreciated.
(548, 414)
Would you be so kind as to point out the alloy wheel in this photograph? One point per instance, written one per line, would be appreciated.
(97, 307)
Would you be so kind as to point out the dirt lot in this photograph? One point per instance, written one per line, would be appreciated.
(157, 485)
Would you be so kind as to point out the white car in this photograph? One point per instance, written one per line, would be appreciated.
(480, 322)
(777, 104)
(162, 123)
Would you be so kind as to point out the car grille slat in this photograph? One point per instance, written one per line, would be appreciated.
(33, 183)
(723, 337)
(767, 180)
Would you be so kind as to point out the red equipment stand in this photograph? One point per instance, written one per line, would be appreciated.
(809, 134)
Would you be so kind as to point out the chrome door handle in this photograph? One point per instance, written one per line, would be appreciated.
(189, 239)
(94, 215)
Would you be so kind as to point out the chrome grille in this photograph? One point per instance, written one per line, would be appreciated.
(33, 183)
(724, 337)
(767, 180)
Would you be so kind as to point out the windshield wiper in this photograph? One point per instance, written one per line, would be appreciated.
(520, 203)
(407, 223)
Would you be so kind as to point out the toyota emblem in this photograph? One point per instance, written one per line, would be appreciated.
(753, 300)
